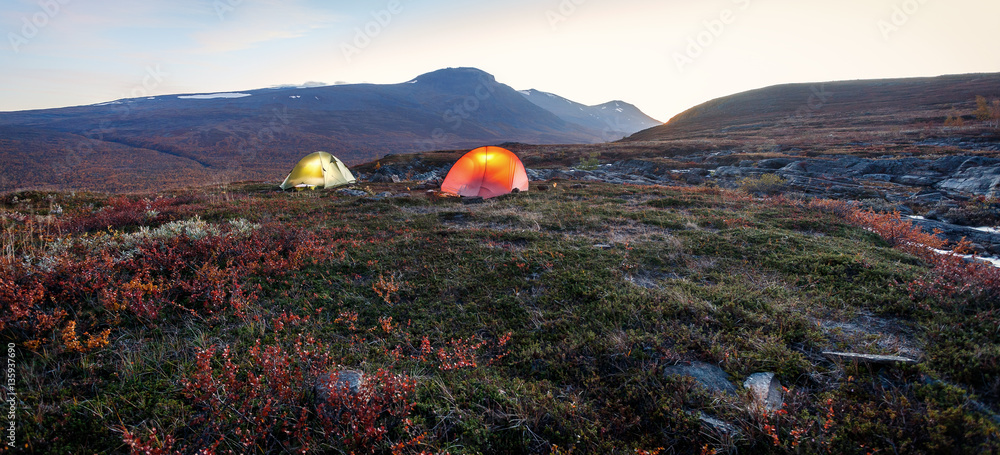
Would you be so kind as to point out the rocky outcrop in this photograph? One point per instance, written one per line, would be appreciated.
(980, 180)
(954, 174)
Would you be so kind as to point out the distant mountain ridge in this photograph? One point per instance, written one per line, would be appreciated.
(260, 134)
(615, 119)
(862, 103)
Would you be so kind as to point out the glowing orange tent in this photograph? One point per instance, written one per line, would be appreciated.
(486, 172)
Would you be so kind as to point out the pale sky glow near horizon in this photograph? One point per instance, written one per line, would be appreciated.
(664, 56)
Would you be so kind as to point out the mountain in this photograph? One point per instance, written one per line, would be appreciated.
(261, 134)
(615, 119)
(849, 106)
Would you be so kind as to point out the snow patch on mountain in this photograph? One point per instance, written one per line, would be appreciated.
(212, 96)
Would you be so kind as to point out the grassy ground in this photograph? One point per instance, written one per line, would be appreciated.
(539, 322)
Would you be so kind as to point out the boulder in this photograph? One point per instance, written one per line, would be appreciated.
(328, 382)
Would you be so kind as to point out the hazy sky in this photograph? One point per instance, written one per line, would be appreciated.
(664, 55)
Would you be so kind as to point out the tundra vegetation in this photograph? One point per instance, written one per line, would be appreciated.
(224, 320)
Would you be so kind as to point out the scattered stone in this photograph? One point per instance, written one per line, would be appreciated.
(350, 192)
(870, 359)
(427, 177)
(385, 178)
(711, 376)
(602, 246)
(765, 390)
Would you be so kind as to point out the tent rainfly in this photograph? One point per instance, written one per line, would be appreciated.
(318, 169)
(486, 172)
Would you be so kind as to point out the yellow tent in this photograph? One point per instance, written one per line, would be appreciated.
(319, 169)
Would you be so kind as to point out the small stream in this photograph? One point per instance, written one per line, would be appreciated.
(993, 260)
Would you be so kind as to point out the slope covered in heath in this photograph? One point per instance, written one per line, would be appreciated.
(864, 105)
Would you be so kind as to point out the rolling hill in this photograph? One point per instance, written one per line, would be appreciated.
(843, 108)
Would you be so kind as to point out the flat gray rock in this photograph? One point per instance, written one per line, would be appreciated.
(711, 376)
(872, 359)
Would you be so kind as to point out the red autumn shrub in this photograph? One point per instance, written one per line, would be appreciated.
(205, 269)
(952, 275)
(120, 212)
(904, 235)
(266, 403)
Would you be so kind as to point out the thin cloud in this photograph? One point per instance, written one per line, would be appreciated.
(252, 24)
